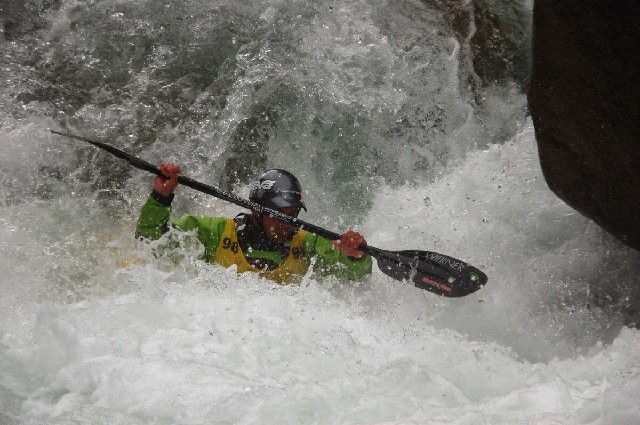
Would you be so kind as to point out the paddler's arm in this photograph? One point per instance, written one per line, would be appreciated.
(152, 223)
(154, 216)
(331, 261)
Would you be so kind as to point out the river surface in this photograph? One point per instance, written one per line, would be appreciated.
(367, 103)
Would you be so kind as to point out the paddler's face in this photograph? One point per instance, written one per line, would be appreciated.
(276, 230)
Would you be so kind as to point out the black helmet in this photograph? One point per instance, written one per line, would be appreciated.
(277, 189)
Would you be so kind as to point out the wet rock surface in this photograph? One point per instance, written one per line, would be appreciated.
(584, 96)
(494, 39)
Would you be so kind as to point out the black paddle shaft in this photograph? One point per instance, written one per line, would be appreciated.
(428, 270)
(210, 190)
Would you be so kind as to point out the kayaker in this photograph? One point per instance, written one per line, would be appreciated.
(257, 242)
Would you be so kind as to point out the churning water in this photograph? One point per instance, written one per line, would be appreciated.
(366, 102)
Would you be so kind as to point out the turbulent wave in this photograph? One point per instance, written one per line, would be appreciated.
(367, 102)
(361, 88)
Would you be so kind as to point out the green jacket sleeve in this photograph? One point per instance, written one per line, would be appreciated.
(330, 261)
(154, 222)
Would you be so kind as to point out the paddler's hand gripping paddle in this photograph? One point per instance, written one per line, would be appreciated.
(434, 272)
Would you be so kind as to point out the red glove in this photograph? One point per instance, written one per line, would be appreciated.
(166, 186)
(349, 242)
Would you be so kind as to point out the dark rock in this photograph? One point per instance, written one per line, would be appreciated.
(501, 41)
(585, 103)
(20, 17)
(494, 38)
(247, 154)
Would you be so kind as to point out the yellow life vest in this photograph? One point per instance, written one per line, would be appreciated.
(229, 253)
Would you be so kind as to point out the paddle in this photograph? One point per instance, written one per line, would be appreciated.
(434, 272)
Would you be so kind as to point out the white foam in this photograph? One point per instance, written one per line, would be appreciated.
(194, 343)
(243, 350)
(544, 260)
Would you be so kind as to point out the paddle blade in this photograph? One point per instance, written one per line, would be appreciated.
(434, 272)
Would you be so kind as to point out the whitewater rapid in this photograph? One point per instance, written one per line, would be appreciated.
(369, 104)
(152, 341)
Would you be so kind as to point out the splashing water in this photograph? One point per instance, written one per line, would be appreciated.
(362, 100)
